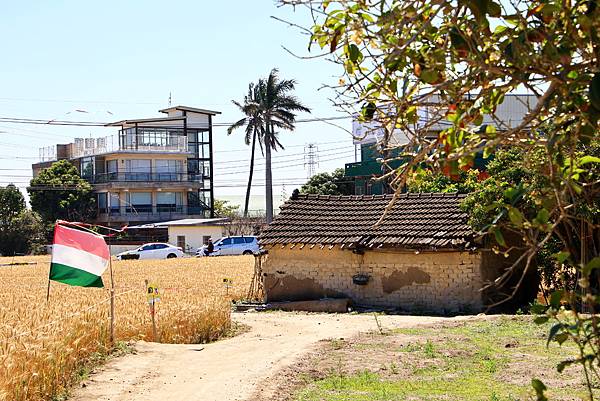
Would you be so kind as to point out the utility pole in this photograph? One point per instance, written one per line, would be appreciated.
(311, 159)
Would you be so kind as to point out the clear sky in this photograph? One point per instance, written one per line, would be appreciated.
(112, 60)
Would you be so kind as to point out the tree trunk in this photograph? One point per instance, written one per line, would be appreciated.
(250, 175)
(268, 176)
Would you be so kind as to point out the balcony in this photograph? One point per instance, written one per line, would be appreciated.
(152, 214)
(143, 177)
(127, 141)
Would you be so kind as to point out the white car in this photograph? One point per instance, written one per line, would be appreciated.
(234, 245)
(156, 250)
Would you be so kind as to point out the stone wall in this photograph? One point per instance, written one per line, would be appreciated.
(440, 282)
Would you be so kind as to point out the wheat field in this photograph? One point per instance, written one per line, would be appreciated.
(45, 345)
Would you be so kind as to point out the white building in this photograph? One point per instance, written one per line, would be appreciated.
(191, 234)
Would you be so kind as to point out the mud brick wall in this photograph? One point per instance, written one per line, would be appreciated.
(439, 282)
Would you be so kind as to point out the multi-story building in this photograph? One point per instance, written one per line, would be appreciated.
(152, 170)
(368, 136)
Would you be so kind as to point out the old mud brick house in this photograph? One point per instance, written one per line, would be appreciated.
(421, 258)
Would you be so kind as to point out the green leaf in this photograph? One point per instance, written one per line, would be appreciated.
(514, 193)
(499, 29)
(515, 216)
(494, 9)
(564, 364)
(539, 388)
(429, 76)
(540, 320)
(555, 298)
(354, 53)
(543, 216)
(553, 332)
(368, 111)
(561, 338)
(573, 74)
(561, 257)
(538, 308)
(499, 237)
(588, 159)
(591, 265)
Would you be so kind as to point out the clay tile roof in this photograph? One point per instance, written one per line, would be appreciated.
(417, 220)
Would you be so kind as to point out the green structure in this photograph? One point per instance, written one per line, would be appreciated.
(365, 173)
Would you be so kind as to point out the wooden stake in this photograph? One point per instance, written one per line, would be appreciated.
(152, 312)
(48, 292)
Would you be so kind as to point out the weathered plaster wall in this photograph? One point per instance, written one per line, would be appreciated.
(441, 282)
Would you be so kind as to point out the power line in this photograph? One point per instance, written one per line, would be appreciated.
(37, 121)
(230, 173)
(292, 165)
(216, 152)
(327, 152)
(18, 99)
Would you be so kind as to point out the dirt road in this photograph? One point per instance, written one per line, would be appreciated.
(230, 369)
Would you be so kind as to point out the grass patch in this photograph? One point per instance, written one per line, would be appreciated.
(493, 359)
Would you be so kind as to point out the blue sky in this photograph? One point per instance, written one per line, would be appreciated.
(117, 60)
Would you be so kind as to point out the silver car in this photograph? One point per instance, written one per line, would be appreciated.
(234, 245)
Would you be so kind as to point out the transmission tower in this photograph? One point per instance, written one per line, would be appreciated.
(311, 159)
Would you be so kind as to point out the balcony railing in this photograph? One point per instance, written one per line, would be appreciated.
(114, 143)
(143, 177)
(83, 147)
(151, 213)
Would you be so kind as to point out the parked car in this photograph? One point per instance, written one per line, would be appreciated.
(157, 250)
(235, 245)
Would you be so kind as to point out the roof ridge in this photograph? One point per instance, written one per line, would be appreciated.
(403, 195)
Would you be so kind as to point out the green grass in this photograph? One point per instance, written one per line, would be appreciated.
(486, 360)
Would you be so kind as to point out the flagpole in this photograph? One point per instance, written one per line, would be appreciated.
(112, 288)
(50, 270)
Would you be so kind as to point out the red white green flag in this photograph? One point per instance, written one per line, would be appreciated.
(78, 257)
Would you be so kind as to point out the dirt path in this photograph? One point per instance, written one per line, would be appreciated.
(230, 369)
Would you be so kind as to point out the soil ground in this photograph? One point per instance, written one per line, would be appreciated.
(481, 359)
(238, 368)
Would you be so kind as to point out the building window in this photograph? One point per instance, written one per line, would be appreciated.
(115, 203)
(103, 202)
(112, 169)
(168, 170)
(139, 202)
(138, 169)
(151, 138)
(87, 168)
(169, 202)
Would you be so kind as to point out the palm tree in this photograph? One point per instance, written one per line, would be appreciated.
(254, 129)
(278, 110)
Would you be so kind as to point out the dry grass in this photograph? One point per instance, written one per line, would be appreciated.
(45, 346)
